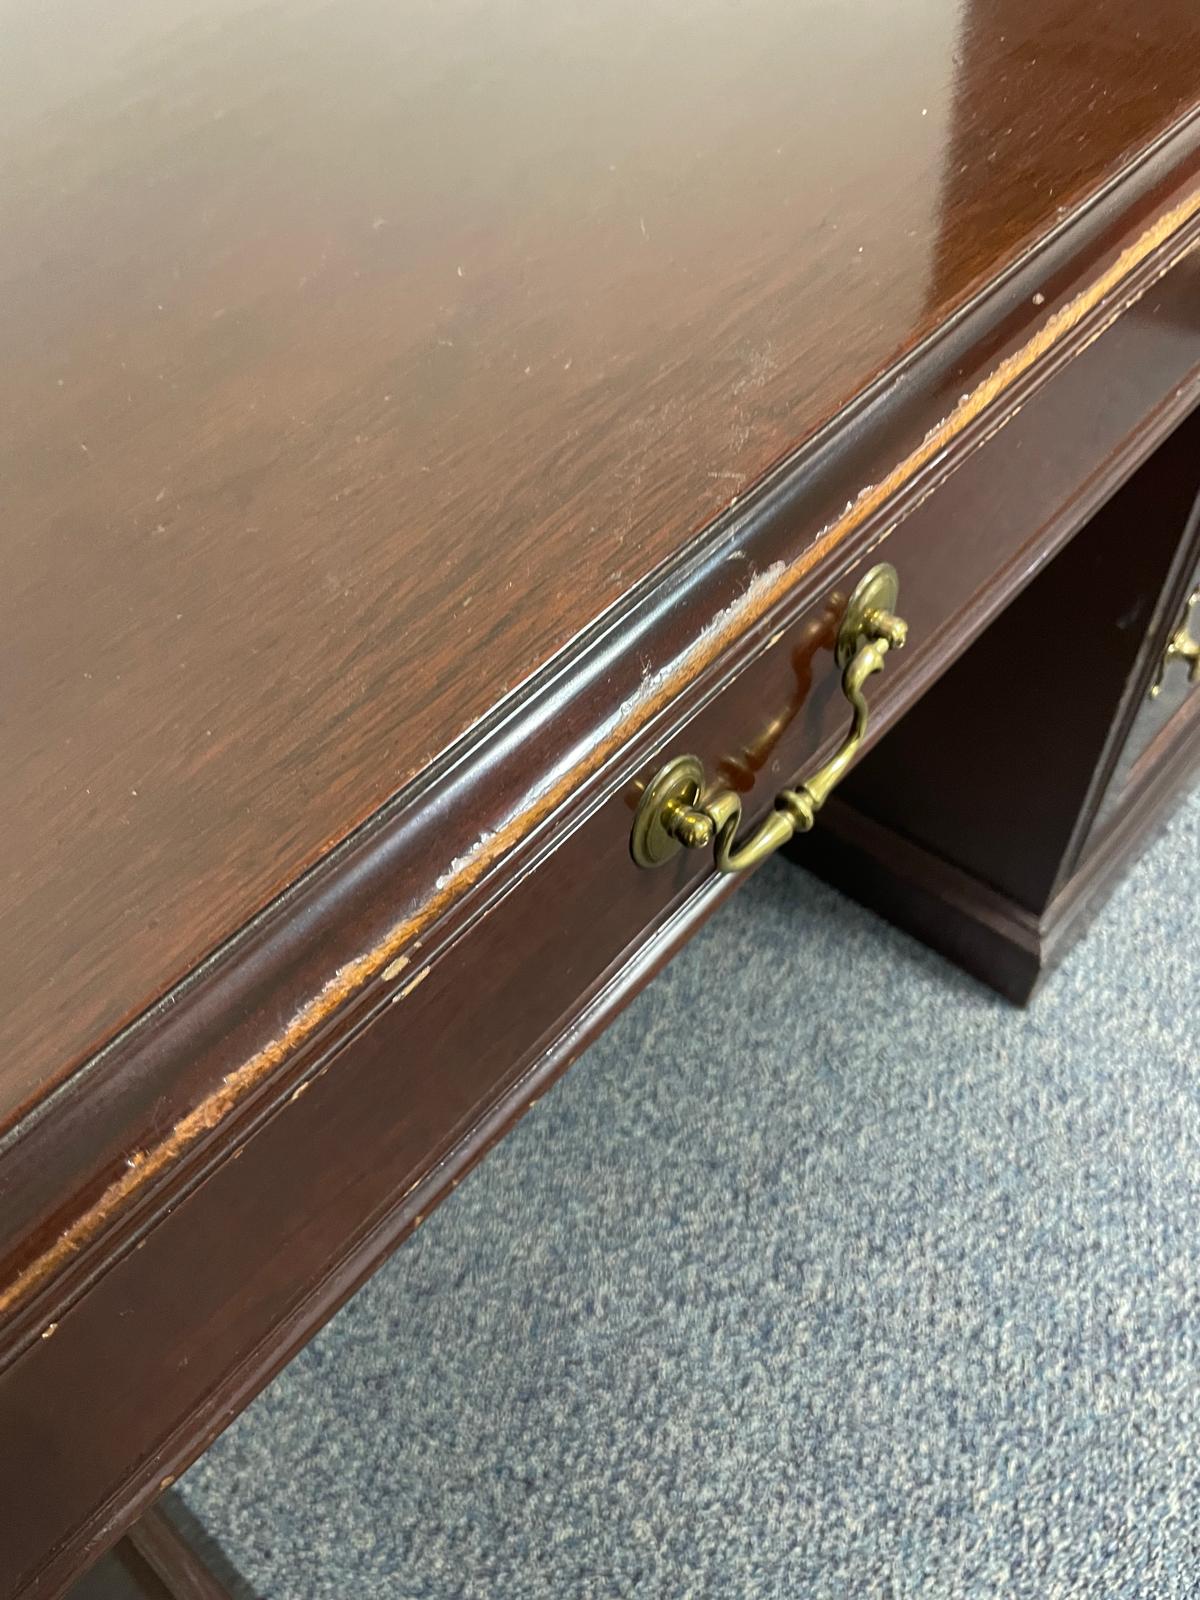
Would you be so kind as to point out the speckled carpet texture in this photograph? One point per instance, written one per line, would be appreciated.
(825, 1273)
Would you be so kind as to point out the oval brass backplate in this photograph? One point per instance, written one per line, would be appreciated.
(680, 781)
(877, 594)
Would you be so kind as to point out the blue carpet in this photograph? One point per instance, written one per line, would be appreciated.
(825, 1273)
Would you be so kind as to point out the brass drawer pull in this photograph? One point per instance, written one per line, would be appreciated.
(1181, 647)
(675, 811)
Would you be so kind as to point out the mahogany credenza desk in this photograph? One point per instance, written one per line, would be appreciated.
(424, 427)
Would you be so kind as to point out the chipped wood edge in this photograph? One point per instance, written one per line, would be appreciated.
(763, 593)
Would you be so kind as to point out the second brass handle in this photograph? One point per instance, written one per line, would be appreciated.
(1181, 647)
(675, 809)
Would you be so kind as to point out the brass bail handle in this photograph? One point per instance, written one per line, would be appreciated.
(676, 812)
(1181, 647)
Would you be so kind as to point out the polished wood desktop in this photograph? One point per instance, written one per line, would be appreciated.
(423, 423)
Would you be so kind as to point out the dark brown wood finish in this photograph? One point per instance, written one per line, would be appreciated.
(1160, 720)
(120, 1575)
(161, 1545)
(214, 1263)
(356, 360)
(369, 379)
(994, 817)
(154, 1561)
(111, 1129)
(983, 931)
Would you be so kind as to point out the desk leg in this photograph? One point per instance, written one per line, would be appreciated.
(154, 1561)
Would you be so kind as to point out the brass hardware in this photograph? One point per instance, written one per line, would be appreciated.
(667, 818)
(1181, 647)
(675, 812)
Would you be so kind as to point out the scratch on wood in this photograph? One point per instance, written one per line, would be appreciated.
(394, 968)
(409, 987)
(656, 692)
(461, 862)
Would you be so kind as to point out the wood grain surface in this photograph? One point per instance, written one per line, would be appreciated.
(357, 356)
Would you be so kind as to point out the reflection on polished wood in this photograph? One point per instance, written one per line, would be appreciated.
(1027, 86)
(358, 356)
